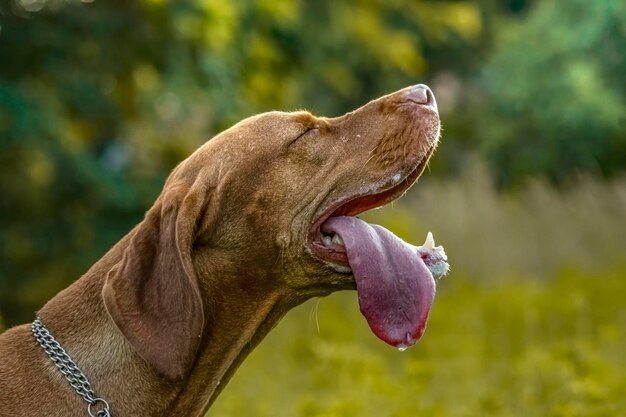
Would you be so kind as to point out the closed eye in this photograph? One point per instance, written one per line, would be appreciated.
(306, 133)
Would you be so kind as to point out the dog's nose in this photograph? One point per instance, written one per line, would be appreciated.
(421, 94)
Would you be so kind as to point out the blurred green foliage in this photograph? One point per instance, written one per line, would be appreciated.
(556, 92)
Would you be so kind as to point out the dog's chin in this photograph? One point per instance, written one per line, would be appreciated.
(341, 269)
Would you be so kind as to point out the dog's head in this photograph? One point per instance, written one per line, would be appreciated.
(260, 198)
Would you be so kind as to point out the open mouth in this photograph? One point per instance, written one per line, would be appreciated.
(328, 245)
(394, 280)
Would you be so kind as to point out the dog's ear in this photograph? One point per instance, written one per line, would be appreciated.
(152, 294)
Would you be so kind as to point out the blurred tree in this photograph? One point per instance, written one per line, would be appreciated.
(99, 100)
(68, 191)
(556, 92)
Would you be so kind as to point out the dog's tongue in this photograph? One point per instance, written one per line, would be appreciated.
(396, 289)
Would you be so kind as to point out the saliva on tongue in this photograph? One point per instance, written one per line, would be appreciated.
(395, 287)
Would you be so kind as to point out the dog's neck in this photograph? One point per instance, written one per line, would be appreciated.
(78, 319)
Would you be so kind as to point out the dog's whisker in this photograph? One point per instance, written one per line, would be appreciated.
(317, 319)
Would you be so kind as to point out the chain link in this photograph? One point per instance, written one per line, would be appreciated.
(70, 371)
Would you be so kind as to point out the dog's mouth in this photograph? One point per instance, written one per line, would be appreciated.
(395, 287)
(329, 245)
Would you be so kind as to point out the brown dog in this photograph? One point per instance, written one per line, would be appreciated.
(237, 238)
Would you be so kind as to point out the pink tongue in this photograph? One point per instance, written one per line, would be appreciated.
(396, 289)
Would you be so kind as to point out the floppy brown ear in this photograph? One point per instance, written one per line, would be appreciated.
(152, 294)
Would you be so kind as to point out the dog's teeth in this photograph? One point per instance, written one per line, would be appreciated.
(429, 243)
(337, 239)
(327, 240)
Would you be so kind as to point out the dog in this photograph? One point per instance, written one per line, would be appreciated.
(256, 221)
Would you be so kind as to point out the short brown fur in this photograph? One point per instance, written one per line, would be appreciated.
(162, 321)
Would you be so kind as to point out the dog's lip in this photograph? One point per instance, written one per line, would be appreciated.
(342, 207)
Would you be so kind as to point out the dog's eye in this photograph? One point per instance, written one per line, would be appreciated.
(312, 131)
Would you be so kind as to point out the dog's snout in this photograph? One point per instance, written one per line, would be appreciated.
(421, 94)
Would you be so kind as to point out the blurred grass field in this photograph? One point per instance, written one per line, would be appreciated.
(531, 321)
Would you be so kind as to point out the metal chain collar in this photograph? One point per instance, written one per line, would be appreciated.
(96, 406)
